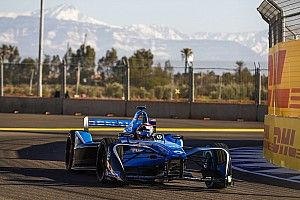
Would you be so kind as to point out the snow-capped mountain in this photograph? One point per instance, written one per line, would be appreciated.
(256, 41)
(67, 13)
(65, 25)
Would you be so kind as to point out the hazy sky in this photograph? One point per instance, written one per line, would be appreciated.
(188, 16)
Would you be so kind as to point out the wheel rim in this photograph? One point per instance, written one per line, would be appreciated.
(208, 161)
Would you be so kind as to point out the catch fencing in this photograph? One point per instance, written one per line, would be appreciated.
(170, 80)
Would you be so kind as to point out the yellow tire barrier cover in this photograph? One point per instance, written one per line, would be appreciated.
(282, 124)
(282, 141)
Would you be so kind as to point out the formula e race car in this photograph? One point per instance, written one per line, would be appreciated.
(141, 154)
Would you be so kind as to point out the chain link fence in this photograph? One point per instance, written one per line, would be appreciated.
(240, 83)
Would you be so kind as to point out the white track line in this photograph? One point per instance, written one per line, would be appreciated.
(262, 173)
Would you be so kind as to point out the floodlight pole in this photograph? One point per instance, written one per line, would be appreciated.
(40, 68)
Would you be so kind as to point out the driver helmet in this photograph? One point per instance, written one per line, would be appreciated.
(144, 131)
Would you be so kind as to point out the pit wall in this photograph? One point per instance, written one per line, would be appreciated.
(118, 108)
(282, 124)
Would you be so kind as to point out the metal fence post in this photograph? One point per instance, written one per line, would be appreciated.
(78, 79)
(1, 77)
(128, 82)
(64, 79)
(192, 88)
(259, 83)
(30, 81)
(127, 79)
(125, 63)
(192, 85)
(240, 83)
(255, 84)
(220, 87)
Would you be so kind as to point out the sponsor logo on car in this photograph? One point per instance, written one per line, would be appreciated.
(136, 150)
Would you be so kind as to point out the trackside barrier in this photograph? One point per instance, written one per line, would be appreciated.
(119, 108)
(282, 141)
(282, 125)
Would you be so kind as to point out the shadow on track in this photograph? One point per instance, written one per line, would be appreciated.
(54, 151)
(61, 178)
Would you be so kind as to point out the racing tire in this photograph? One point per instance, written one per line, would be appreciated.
(69, 154)
(220, 158)
(101, 162)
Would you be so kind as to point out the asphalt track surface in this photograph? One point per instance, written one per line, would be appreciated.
(32, 164)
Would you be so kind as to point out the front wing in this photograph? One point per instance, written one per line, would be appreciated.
(152, 165)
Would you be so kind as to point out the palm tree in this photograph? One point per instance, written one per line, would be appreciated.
(240, 64)
(186, 53)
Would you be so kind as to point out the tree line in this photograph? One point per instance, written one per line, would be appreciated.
(105, 78)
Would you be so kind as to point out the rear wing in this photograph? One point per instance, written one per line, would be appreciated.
(98, 122)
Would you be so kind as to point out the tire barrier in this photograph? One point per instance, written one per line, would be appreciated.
(282, 141)
(282, 124)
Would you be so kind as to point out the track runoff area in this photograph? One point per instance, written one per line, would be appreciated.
(32, 162)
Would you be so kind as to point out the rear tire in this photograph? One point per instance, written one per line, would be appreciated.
(69, 154)
(220, 158)
(101, 162)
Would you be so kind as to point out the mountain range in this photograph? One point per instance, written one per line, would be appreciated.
(65, 25)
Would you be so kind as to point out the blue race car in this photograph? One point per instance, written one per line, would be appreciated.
(141, 154)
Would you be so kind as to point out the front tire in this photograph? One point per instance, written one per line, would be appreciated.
(101, 162)
(220, 158)
(69, 154)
